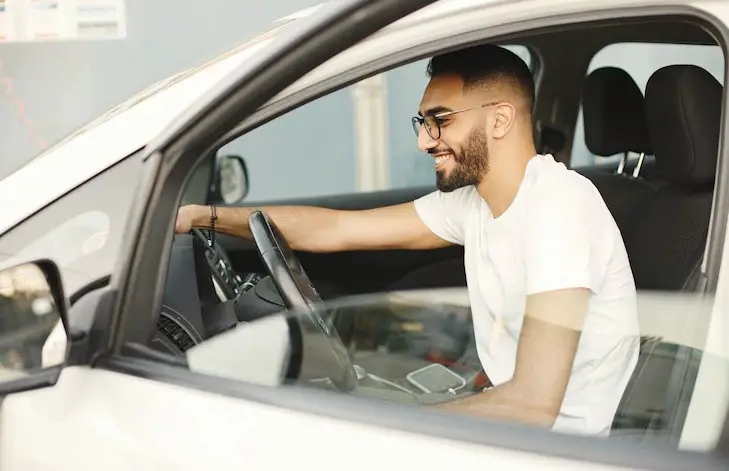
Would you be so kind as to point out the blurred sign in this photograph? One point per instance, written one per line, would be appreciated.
(58, 20)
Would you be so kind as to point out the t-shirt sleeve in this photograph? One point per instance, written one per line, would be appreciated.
(446, 214)
(561, 239)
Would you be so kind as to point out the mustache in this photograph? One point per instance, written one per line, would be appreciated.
(440, 150)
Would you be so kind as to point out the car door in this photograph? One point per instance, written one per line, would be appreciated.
(75, 389)
(355, 421)
(135, 412)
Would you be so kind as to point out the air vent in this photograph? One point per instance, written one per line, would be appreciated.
(175, 332)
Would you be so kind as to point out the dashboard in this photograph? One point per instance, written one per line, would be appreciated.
(227, 282)
(205, 296)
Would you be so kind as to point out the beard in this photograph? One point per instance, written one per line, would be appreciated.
(471, 163)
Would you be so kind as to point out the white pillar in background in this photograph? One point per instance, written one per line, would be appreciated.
(372, 171)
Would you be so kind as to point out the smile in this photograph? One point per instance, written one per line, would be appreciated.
(441, 160)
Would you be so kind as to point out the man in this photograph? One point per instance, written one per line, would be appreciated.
(551, 290)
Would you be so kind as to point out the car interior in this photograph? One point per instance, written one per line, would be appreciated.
(660, 194)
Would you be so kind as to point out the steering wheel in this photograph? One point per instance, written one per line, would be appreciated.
(321, 344)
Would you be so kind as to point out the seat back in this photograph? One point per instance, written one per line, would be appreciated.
(666, 245)
(614, 114)
(614, 122)
(683, 108)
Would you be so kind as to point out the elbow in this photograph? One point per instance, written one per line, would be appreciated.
(546, 417)
(541, 415)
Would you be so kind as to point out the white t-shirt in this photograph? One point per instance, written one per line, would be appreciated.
(556, 234)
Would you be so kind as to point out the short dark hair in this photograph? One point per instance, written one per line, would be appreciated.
(484, 64)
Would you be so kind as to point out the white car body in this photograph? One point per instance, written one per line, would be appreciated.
(96, 419)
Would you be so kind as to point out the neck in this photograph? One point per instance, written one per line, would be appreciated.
(506, 172)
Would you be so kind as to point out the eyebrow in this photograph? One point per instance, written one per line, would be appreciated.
(436, 110)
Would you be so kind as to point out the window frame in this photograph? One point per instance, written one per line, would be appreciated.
(365, 412)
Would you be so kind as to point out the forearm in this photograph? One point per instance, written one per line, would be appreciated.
(304, 227)
(545, 354)
(314, 229)
(505, 403)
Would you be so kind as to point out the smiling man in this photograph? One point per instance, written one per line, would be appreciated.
(551, 290)
(550, 286)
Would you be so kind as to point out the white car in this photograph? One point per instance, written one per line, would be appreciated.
(108, 356)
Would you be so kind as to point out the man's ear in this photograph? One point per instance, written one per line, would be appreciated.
(503, 120)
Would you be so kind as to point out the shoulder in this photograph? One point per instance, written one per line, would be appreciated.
(563, 200)
(556, 186)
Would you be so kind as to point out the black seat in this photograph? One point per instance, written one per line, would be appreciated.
(666, 246)
(683, 110)
(614, 114)
(614, 122)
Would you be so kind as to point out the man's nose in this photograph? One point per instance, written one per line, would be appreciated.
(425, 142)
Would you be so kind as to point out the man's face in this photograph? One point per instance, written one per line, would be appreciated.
(461, 152)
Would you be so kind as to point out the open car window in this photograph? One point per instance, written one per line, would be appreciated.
(361, 134)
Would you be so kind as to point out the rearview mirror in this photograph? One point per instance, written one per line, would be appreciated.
(32, 319)
(230, 180)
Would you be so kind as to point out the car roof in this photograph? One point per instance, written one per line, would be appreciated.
(129, 128)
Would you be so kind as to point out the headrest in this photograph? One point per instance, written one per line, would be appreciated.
(614, 114)
(683, 108)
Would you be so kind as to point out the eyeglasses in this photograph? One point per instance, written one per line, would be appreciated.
(432, 120)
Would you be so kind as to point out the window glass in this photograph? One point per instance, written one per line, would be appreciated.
(640, 60)
(82, 231)
(417, 348)
(356, 139)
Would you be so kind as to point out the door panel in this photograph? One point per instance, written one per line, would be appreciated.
(94, 419)
(351, 272)
(98, 422)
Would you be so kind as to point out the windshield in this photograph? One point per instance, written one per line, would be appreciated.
(166, 83)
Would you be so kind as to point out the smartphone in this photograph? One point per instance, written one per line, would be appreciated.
(435, 378)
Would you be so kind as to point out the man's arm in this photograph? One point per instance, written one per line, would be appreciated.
(546, 350)
(315, 229)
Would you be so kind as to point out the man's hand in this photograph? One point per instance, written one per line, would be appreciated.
(547, 346)
(185, 218)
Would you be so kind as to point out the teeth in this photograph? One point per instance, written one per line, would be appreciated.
(442, 159)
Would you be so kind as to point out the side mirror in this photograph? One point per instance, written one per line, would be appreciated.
(230, 180)
(32, 319)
